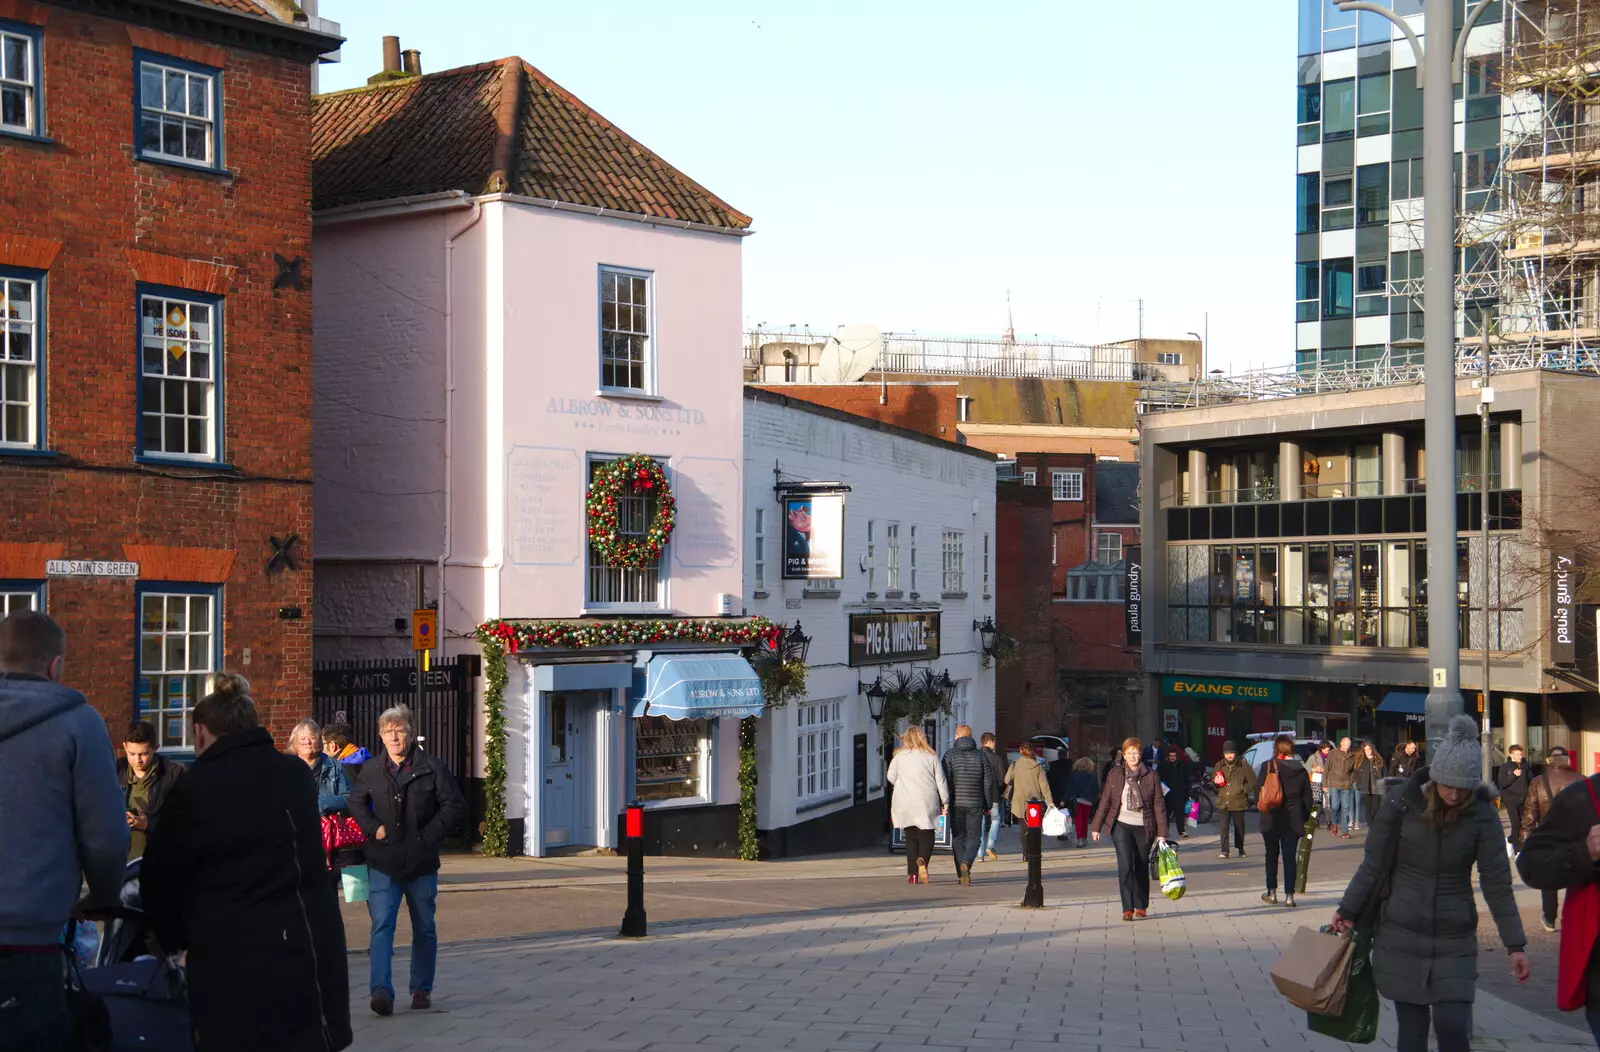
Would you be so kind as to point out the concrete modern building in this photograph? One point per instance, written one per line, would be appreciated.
(900, 531)
(1285, 571)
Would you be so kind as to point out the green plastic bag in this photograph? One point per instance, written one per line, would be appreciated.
(1169, 873)
(1358, 1023)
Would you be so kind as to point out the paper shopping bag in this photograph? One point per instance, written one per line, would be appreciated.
(1314, 972)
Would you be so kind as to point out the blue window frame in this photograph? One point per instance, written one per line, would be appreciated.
(180, 369)
(177, 648)
(177, 110)
(22, 360)
(16, 596)
(21, 80)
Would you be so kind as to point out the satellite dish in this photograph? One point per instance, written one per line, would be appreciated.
(849, 354)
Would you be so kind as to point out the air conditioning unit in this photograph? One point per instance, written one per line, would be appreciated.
(726, 604)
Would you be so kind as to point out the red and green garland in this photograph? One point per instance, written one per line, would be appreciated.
(513, 636)
(611, 484)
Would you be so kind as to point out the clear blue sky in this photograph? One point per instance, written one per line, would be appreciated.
(907, 164)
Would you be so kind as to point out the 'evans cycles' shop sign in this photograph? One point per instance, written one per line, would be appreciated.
(881, 638)
(1237, 690)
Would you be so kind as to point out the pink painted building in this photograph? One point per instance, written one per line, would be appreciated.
(510, 293)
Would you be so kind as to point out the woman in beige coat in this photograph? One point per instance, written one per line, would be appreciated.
(1025, 780)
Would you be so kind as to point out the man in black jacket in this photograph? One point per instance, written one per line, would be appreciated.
(1564, 852)
(991, 818)
(969, 777)
(146, 777)
(406, 802)
(234, 873)
(1513, 780)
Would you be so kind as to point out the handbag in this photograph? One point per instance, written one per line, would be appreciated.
(340, 831)
(1271, 795)
(1580, 923)
(1055, 822)
(1314, 972)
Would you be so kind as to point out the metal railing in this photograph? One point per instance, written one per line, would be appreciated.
(1032, 357)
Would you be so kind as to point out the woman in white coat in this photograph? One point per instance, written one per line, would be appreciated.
(920, 797)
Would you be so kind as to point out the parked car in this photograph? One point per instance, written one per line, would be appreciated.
(1260, 748)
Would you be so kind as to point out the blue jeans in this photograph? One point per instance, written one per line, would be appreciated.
(991, 830)
(1342, 805)
(966, 828)
(383, 903)
(1593, 1015)
(33, 1003)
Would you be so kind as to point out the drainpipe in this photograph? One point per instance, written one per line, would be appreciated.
(449, 405)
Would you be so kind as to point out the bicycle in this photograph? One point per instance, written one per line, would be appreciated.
(1206, 795)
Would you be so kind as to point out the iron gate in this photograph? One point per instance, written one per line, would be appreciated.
(357, 692)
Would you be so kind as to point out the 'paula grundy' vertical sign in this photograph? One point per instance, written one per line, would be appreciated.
(1563, 608)
(1133, 597)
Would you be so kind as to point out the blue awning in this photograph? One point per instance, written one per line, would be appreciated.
(705, 686)
(1404, 702)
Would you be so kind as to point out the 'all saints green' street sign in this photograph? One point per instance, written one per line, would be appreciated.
(1207, 689)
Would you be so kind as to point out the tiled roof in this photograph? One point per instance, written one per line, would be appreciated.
(501, 126)
(243, 7)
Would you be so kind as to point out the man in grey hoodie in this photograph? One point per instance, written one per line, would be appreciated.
(63, 822)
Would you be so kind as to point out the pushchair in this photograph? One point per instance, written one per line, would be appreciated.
(134, 995)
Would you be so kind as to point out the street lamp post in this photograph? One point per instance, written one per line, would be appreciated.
(1439, 69)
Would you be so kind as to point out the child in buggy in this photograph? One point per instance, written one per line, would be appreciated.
(133, 995)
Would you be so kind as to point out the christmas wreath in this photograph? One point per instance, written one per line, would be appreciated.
(611, 483)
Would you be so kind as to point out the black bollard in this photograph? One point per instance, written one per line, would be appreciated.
(633, 926)
(1033, 851)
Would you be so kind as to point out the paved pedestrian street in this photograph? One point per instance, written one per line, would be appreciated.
(990, 976)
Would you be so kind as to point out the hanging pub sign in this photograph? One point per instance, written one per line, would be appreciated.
(1563, 608)
(813, 537)
(1133, 596)
(882, 637)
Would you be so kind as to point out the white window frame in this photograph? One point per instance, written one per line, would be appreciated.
(819, 751)
(24, 80)
(627, 579)
(1101, 553)
(186, 684)
(176, 381)
(758, 550)
(960, 712)
(953, 548)
(1066, 485)
(197, 83)
(21, 359)
(17, 596)
(891, 545)
(872, 568)
(913, 587)
(1030, 477)
(647, 361)
(1053, 539)
(1169, 358)
(963, 408)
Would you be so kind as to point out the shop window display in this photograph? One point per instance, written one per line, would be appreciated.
(670, 758)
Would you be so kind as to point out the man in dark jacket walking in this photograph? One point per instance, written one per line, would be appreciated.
(1513, 781)
(1176, 774)
(1235, 783)
(406, 802)
(235, 874)
(62, 824)
(1542, 791)
(146, 777)
(970, 779)
(991, 818)
(1564, 852)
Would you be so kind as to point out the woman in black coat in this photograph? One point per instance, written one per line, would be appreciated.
(1284, 825)
(234, 873)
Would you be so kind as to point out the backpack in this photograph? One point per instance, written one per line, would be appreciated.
(1270, 796)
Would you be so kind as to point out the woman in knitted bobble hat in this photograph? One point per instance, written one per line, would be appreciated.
(1432, 829)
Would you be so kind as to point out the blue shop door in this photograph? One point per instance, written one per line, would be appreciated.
(560, 787)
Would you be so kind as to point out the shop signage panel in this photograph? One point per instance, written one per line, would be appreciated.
(89, 568)
(813, 537)
(1133, 597)
(1563, 608)
(1207, 689)
(884, 637)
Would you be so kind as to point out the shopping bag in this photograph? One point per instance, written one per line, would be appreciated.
(1055, 822)
(1170, 874)
(1358, 1023)
(354, 881)
(1314, 972)
(1193, 810)
(1580, 923)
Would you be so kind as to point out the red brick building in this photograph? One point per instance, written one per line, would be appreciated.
(930, 406)
(1077, 515)
(155, 389)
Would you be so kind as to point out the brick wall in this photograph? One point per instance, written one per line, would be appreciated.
(107, 221)
(1026, 690)
(926, 407)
